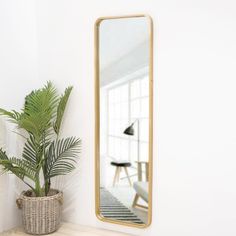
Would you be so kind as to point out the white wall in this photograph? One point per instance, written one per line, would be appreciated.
(18, 51)
(195, 132)
(18, 75)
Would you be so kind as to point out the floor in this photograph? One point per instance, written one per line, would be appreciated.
(126, 194)
(68, 229)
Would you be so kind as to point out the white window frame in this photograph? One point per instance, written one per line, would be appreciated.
(138, 75)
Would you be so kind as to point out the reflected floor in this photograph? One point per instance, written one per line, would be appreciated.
(125, 195)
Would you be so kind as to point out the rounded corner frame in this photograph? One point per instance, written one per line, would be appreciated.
(97, 121)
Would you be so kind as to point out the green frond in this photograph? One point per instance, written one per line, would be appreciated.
(61, 156)
(39, 111)
(12, 116)
(32, 151)
(21, 168)
(61, 109)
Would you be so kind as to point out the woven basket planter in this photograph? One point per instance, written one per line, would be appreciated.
(41, 215)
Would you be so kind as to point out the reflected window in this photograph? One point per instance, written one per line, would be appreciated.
(124, 102)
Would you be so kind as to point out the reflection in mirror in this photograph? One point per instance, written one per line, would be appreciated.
(125, 117)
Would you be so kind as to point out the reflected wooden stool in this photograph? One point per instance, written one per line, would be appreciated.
(119, 165)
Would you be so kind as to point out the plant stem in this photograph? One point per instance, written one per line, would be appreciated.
(38, 190)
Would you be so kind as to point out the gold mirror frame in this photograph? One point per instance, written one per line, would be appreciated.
(97, 122)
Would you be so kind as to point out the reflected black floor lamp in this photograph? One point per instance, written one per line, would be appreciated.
(131, 131)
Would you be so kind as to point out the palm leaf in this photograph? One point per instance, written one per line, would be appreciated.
(32, 151)
(39, 110)
(21, 168)
(61, 156)
(61, 109)
(12, 116)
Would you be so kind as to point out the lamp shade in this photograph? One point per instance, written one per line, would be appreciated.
(129, 130)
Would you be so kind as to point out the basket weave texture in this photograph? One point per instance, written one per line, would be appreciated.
(41, 215)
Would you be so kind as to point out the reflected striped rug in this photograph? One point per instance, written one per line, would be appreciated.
(112, 208)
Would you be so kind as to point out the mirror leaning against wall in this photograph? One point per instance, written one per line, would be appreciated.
(124, 117)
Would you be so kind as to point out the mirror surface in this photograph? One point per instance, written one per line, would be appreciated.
(124, 117)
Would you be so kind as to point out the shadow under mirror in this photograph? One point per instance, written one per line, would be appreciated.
(124, 120)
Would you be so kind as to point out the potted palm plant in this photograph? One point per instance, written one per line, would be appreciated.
(44, 157)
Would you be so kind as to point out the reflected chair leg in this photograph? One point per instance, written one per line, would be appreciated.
(135, 200)
(118, 175)
(127, 174)
(140, 175)
(115, 177)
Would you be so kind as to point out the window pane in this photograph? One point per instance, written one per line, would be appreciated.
(135, 89)
(124, 150)
(117, 111)
(124, 92)
(114, 128)
(135, 108)
(111, 96)
(144, 130)
(117, 95)
(111, 147)
(144, 107)
(145, 87)
(143, 152)
(117, 130)
(134, 151)
(111, 112)
(120, 131)
(124, 110)
(117, 155)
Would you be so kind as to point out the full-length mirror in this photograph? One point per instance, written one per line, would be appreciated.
(124, 120)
